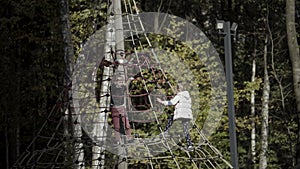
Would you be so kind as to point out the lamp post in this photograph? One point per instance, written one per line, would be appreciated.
(225, 29)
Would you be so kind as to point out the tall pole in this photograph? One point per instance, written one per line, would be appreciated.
(230, 96)
(120, 72)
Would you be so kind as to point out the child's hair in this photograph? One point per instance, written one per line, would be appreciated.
(180, 87)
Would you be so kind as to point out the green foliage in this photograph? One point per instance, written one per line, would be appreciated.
(244, 93)
(86, 18)
(32, 69)
(147, 81)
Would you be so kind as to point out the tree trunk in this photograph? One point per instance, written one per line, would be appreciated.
(295, 58)
(253, 140)
(6, 147)
(99, 129)
(73, 153)
(265, 113)
(18, 144)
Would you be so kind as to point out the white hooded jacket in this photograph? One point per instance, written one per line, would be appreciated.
(183, 105)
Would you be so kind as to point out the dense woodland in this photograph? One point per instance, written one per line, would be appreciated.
(36, 37)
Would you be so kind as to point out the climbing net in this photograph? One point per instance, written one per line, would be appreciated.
(63, 141)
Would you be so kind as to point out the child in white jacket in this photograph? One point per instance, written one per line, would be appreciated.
(183, 112)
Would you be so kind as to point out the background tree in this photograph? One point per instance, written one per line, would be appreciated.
(295, 58)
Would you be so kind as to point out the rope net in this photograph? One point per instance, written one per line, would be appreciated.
(131, 112)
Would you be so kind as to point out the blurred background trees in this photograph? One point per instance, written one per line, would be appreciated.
(32, 68)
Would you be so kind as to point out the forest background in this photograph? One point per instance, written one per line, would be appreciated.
(266, 67)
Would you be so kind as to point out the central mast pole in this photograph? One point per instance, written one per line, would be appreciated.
(120, 72)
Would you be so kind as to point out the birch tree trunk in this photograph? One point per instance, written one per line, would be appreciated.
(295, 58)
(100, 129)
(265, 113)
(76, 152)
(252, 102)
